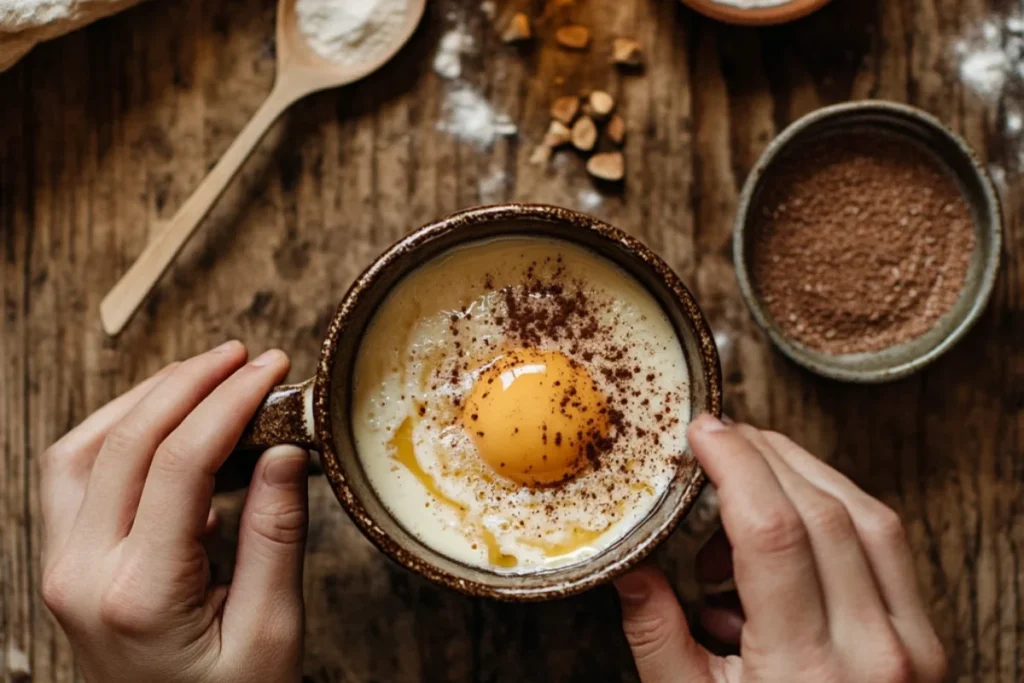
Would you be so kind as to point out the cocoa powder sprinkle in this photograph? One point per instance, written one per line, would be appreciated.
(862, 241)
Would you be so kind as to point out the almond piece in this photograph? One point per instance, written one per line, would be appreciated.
(573, 37)
(518, 29)
(627, 52)
(610, 166)
(565, 108)
(616, 129)
(558, 134)
(584, 134)
(601, 104)
(541, 155)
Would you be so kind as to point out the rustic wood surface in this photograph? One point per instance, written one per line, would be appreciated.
(103, 134)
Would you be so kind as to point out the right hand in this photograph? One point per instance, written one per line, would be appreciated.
(824, 573)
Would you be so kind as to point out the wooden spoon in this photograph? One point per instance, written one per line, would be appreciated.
(300, 71)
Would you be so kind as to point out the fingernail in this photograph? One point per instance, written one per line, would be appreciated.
(286, 470)
(633, 589)
(726, 420)
(267, 358)
(708, 424)
(226, 346)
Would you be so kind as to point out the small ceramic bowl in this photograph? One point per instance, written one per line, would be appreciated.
(975, 184)
(315, 413)
(767, 14)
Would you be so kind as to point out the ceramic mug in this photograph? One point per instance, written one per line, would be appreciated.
(315, 413)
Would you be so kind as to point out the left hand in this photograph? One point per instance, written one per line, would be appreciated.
(126, 501)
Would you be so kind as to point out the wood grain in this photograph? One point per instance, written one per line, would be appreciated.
(105, 132)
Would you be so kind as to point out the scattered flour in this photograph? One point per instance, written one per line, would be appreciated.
(465, 113)
(1014, 122)
(990, 59)
(991, 56)
(469, 117)
(350, 31)
(448, 60)
(589, 199)
(492, 186)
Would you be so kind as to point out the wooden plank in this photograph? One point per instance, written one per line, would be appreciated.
(103, 134)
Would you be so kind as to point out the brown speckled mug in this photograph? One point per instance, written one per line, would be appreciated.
(315, 413)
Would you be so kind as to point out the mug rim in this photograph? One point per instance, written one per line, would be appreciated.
(461, 221)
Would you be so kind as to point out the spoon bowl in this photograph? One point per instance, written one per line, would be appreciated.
(300, 71)
(297, 58)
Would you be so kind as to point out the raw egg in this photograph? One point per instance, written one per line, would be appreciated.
(534, 414)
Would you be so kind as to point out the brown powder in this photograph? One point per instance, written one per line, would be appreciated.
(863, 242)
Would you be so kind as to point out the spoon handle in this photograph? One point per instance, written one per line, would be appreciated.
(127, 295)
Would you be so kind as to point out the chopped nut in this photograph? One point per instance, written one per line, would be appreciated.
(565, 108)
(616, 129)
(541, 155)
(573, 37)
(558, 134)
(609, 166)
(584, 134)
(518, 29)
(601, 104)
(627, 52)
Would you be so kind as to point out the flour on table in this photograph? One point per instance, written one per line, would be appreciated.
(492, 186)
(469, 117)
(448, 60)
(589, 199)
(991, 56)
(1014, 122)
(465, 112)
(990, 62)
(350, 31)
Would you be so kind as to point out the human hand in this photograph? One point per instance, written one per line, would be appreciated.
(126, 501)
(823, 570)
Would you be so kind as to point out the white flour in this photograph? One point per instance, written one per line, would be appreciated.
(18, 15)
(589, 199)
(990, 62)
(350, 31)
(469, 117)
(492, 186)
(448, 60)
(465, 113)
(991, 56)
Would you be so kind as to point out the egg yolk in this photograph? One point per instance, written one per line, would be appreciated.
(534, 414)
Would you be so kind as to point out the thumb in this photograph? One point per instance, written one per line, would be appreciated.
(657, 631)
(266, 590)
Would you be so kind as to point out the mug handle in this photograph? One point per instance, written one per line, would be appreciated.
(285, 417)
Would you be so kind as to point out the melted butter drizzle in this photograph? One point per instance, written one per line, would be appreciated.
(578, 538)
(405, 454)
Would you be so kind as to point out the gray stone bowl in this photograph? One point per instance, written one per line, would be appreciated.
(961, 161)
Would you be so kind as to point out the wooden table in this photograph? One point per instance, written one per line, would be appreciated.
(105, 132)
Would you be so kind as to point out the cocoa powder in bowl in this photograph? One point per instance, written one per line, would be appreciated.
(862, 240)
